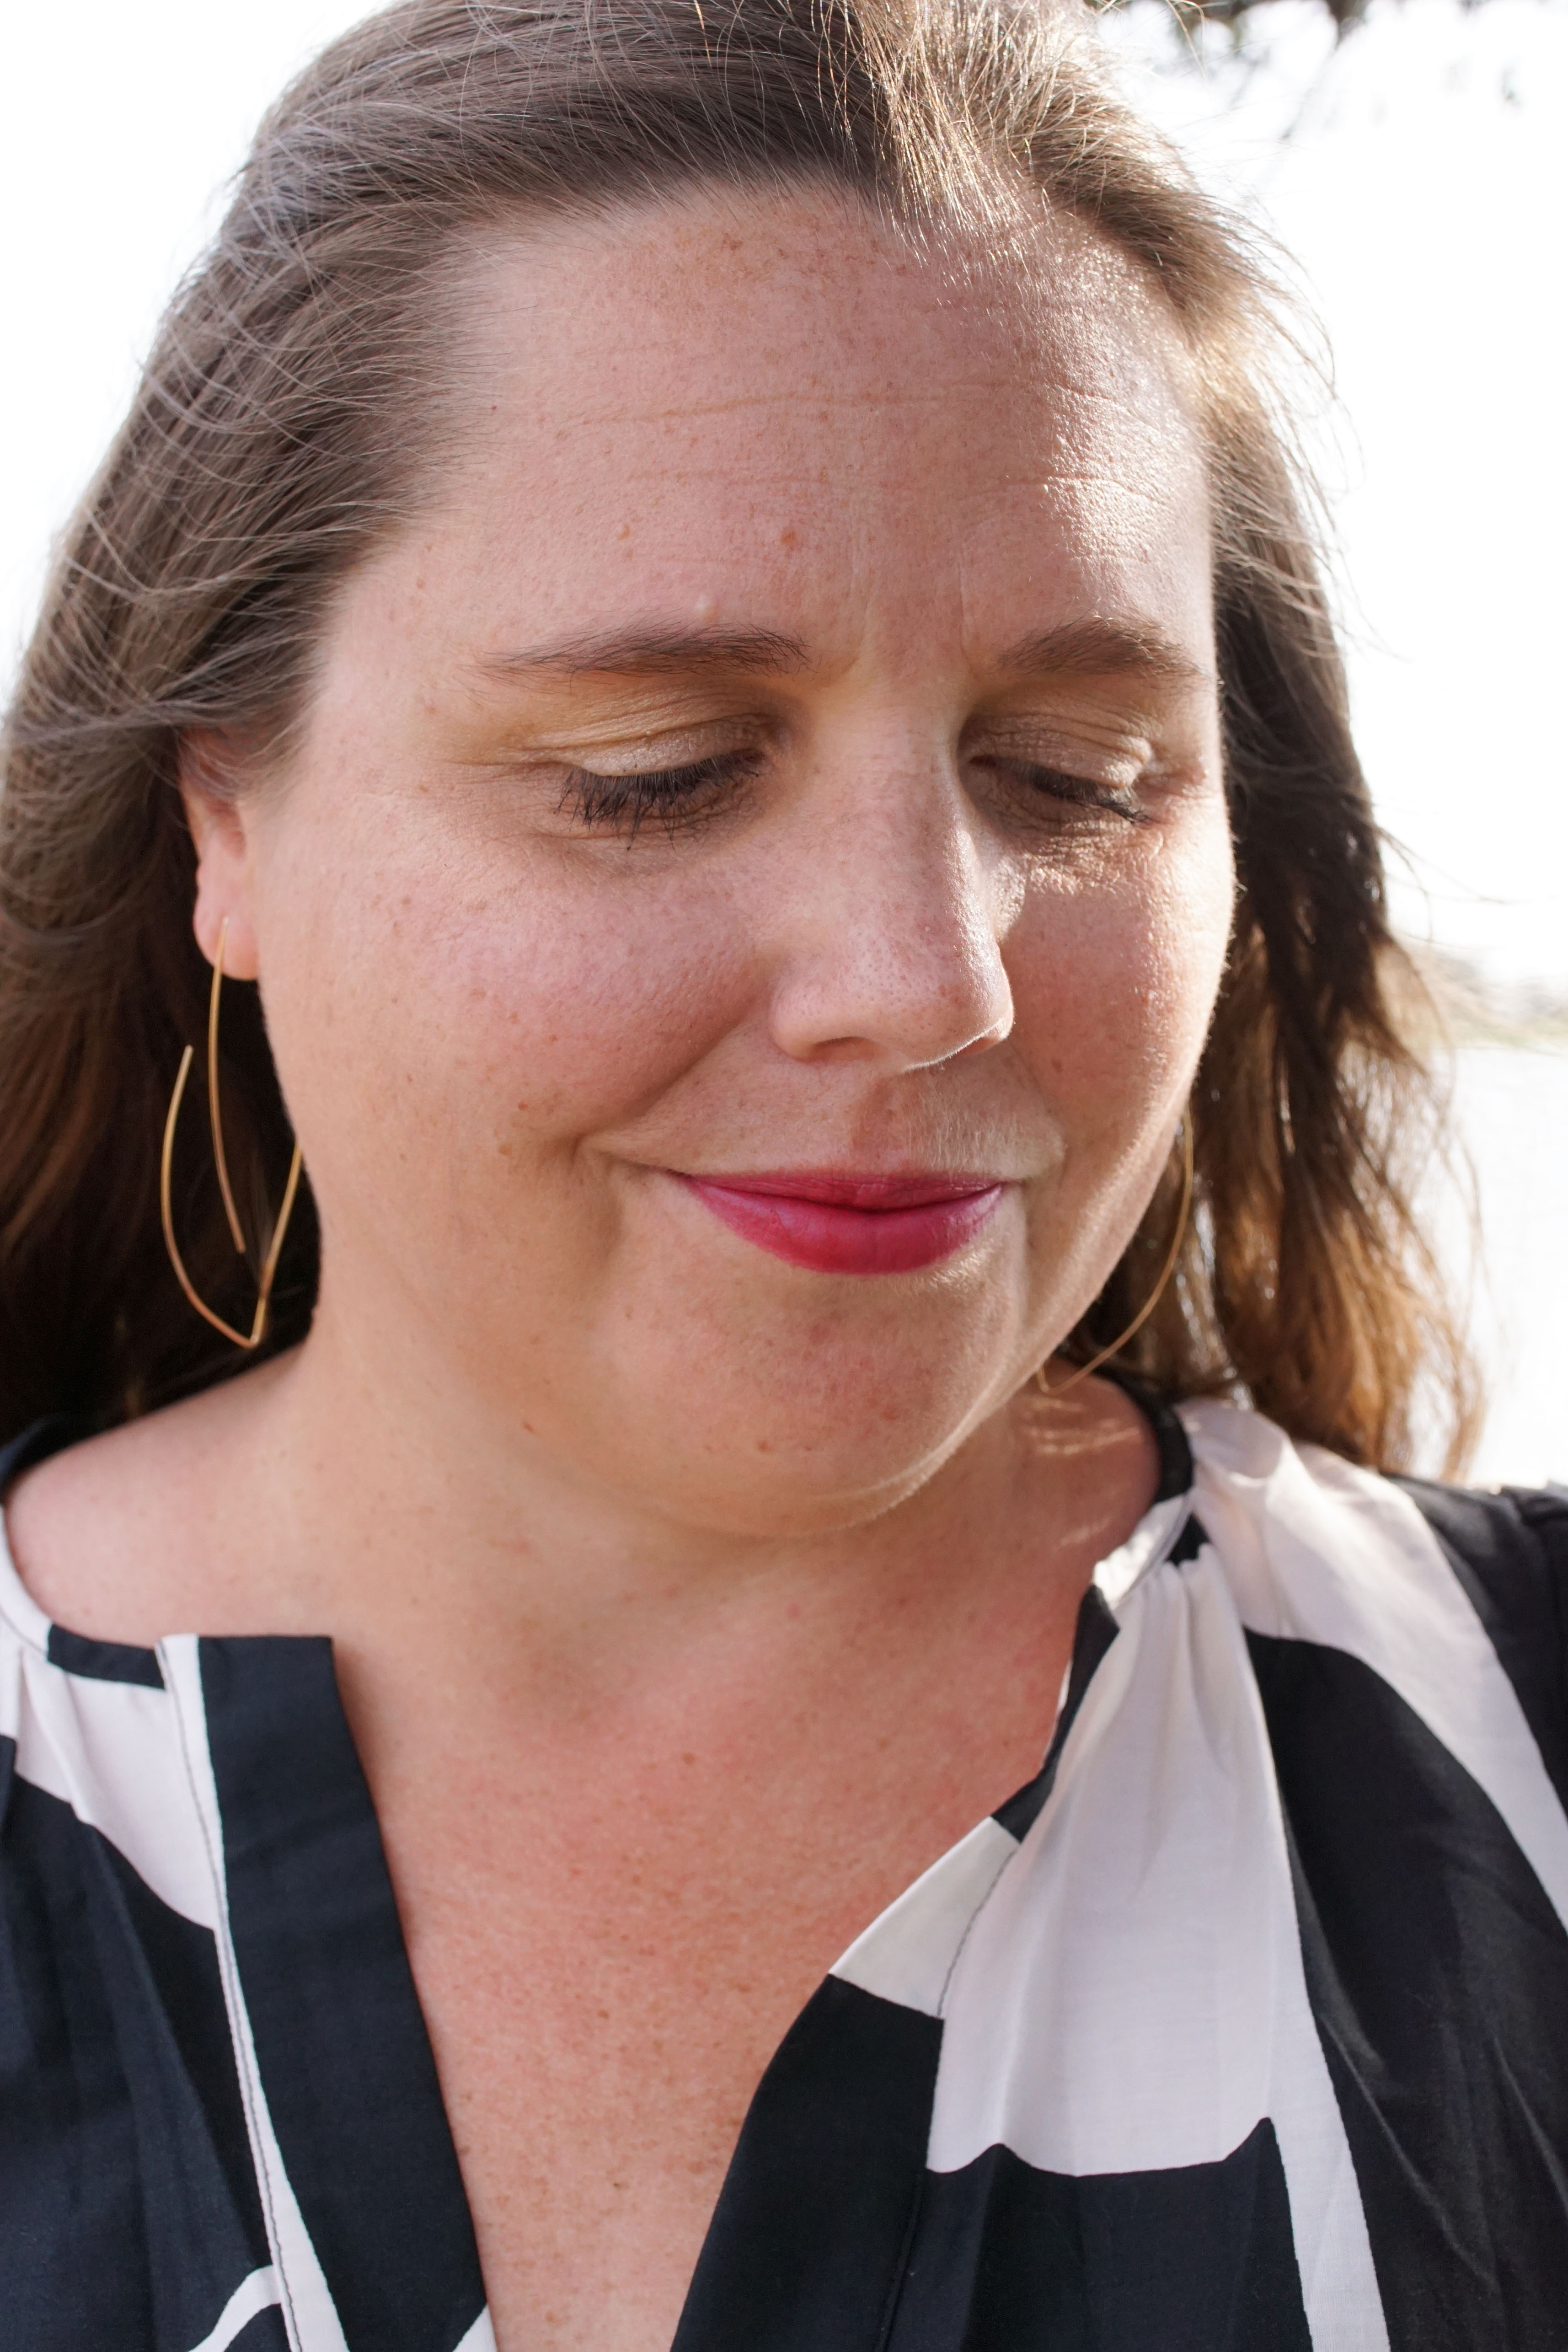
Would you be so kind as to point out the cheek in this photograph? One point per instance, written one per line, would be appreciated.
(1114, 986)
(508, 1014)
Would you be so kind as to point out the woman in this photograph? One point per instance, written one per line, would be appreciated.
(709, 606)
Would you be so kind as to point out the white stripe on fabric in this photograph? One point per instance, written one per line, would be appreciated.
(1318, 1551)
(257, 2292)
(907, 1954)
(1150, 1540)
(112, 1752)
(310, 2313)
(1132, 1998)
(481, 2336)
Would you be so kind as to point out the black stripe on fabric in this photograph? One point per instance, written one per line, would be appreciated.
(104, 1662)
(264, 2333)
(1170, 1437)
(341, 2042)
(1189, 1542)
(811, 2229)
(1196, 2259)
(1176, 1453)
(129, 2210)
(1510, 1552)
(1437, 1972)
(1096, 1630)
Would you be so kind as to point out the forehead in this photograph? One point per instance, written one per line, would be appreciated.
(675, 395)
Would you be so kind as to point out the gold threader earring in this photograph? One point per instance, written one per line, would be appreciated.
(1059, 1387)
(264, 1293)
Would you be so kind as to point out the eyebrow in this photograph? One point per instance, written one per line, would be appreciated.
(1105, 648)
(643, 652)
(1089, 648)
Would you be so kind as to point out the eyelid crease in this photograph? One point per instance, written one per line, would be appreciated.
(633, 755)
(1066, 789)
(1127, 724)
(1125, 758)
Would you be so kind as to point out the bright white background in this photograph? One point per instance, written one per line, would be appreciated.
(1419, 174)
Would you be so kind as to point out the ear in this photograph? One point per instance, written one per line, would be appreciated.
(212, 775)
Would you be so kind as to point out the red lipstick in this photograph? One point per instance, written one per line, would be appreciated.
(852, 1224)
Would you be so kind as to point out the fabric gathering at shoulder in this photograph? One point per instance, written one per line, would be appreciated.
(1509, 1549)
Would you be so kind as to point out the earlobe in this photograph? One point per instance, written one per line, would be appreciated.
(211, 789)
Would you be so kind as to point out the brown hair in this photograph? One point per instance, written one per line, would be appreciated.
(286, 419)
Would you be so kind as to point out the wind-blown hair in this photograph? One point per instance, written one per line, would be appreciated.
(294, 411)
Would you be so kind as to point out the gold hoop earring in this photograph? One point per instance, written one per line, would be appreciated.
(216, 1119)
(1153, 1300)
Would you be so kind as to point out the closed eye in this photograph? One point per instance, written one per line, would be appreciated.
(695, 789)
(1056, 790)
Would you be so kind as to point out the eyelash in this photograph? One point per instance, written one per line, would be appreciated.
(673, 794)
(690, 790)
(1055, 783)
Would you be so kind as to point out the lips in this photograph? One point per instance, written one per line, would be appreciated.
(852, 1224)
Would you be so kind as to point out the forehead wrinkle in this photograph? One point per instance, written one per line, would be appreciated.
(1024, 384)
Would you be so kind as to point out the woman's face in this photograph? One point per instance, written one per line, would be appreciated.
(783, 763)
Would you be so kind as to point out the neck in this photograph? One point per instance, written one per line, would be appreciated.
(367, 1496)
(414, 1515)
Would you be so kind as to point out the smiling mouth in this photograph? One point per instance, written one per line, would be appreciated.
(852, 1224)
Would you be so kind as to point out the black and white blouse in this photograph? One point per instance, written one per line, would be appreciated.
(1242, 2028)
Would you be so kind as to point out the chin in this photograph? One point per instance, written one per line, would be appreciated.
(787, 1492)
(804, 1440)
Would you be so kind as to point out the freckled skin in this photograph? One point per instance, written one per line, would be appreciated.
(687, 1602)
(859, 960)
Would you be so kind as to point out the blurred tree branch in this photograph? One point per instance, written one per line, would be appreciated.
(1190, 16)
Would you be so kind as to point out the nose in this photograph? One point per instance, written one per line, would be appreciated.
(895, 916)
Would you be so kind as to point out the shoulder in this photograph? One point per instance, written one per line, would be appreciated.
(1510, 1544)
(81, 1513)
(116, 1534)
(1507, 1546)
(1509, 1550)
(1433, 1587)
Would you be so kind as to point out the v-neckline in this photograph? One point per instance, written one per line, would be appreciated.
(344, 2055)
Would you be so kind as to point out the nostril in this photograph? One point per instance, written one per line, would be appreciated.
(996, 1034)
